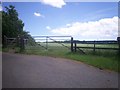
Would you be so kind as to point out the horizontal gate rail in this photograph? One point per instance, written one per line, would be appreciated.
(99, 48)
(50, 36)
(55, 39)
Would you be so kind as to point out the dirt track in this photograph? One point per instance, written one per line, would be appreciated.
(31, 71)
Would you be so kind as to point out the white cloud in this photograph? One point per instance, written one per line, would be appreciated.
(68, 25)
(38, 14)
(106, 28)
(54, 3)
(48, 27)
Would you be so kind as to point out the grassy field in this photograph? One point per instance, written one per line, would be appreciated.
(103, 59)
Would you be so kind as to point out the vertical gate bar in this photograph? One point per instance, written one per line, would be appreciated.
(94, 46)
(47, 42)
(71, 44)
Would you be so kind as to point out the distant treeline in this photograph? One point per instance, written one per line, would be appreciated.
(87, 42)
(97, 42)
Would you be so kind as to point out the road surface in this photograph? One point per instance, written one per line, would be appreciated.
(32, 71)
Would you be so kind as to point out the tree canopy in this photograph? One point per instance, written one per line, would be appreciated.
(12, 26)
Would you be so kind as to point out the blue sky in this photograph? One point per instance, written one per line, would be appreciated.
(82, 20)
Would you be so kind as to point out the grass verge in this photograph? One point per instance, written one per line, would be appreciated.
(109, 62)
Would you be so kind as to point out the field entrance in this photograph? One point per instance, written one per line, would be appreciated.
(49, 44)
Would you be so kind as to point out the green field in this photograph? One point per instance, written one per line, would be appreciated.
(104, 59)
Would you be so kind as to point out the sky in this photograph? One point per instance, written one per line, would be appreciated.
(82, 20)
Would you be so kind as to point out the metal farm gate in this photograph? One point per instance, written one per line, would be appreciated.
(50, 43)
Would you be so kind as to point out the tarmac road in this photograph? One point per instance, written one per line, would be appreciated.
(32, 71)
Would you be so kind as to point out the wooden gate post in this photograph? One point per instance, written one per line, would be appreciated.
(71, 44)
(22, 45)
(75, 46)
(118, 39)
(94, 47)
(4, 41)
(18, 41)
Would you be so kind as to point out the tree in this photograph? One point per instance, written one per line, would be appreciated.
(12, 26)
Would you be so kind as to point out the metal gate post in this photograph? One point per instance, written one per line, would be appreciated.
(71, 44)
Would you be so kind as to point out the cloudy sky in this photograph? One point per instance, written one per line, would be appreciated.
(82, 20)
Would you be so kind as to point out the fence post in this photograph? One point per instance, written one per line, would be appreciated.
(4, 41)
(94, 46)
(47, 42)
(75, 46)
(71, 44)
(118, 40)
(22, 45)
(18, 41)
